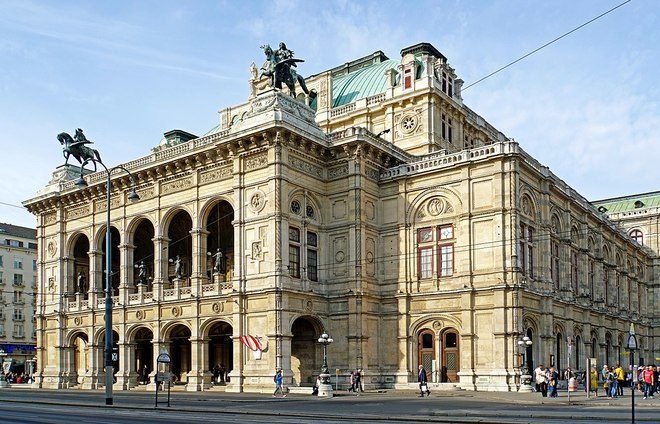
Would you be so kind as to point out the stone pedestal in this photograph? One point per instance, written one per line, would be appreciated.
(325, 388)
(525, 384)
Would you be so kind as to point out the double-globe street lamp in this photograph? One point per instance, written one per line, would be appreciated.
(632, 347)
(132, 196)
(525, 377)
(326, 387)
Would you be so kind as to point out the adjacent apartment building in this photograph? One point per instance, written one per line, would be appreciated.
(18, 289)
(380, 209)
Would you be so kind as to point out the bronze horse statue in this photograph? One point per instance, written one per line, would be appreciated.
(279, 67)
(75, 146)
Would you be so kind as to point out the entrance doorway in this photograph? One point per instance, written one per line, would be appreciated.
(450, 356)
(426, 351)
(306, 354)
(221, 349)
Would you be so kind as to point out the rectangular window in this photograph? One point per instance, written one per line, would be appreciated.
(312, 262)
(407, 78)
(18, 314)
(554, 268)
(32, 246)
(446, 128)
(574, 271)
(2, 277)
(446, 260)
(426, 262)
(18, 330)
(34, 265)
(312, 265)
(1, 260)
(592, 289)
(526, 247)
(294, 261)
(18, 296)
(18, 263)
(18, 279)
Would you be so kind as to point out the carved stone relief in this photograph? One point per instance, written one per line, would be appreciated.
(78, 212)
(339, 248)
(257, 201)
(217, 174)
(49, 218)
(51, 248)
(176, 185)
(256, 161)
(337, 172)
(306, 167)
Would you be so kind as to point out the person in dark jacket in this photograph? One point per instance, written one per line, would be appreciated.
(423, 382)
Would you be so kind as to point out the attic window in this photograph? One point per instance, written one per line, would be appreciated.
(602, 209)
(639, 204)
(407, 78)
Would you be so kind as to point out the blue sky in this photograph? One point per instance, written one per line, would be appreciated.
(128, 71)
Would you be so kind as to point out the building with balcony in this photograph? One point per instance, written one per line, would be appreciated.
(18, 283)
(379, 209)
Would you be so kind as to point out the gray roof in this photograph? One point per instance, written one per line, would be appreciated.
(18, 231)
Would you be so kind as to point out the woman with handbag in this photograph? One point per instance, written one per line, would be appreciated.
(423, 382)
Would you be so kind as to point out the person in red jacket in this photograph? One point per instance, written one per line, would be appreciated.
(648, 376)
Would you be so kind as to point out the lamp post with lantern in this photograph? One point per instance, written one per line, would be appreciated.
(525, 377)
(132, 196)
(632, 347)
(325, 388)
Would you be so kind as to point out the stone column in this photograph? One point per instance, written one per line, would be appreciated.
(126, 375)
(160, 265)
(95, 282)
(198, 373)
(126, 280)
(198, 271)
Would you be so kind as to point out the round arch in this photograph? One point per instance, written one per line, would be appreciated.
(166, 220)
(449, 195)
(306, 352)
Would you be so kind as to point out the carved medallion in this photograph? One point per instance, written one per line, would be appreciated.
(52, 248)
(438, 206)
(370, 257)
(218, 307)
(340, 256)
(256, 250)
(437, 325)
(309, 305)
(139, 315)
(409, 124)
(77, 321)
(257, 202)
(176, 311)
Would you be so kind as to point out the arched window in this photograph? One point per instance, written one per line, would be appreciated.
(638, 236)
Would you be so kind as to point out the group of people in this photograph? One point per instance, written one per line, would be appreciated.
(18, 378)
(220, 374)
(356, 382)
(546, 380)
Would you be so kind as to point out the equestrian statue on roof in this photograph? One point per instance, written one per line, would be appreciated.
(279, 66)
(76, 146)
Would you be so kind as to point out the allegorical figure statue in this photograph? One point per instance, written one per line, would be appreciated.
(279, 67)
(218, 262)
(81, 282)
(142, 273)
(177, 266)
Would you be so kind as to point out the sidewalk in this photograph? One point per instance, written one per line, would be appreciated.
(393, 404)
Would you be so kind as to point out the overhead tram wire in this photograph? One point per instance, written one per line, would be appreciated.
(546, 44)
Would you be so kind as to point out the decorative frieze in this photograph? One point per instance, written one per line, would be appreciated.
(256, 161)
(371, 173)
(77, 212)
(177, 185)
(49, 218)
(216, 174)
(337, 172)
(146, 193)
(101, 205)
(306, 167)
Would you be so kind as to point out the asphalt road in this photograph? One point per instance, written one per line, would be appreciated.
(70, 406)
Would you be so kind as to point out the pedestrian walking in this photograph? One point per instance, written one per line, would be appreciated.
(552, 377)
(541, 380)
(277, 379)
(351, 380)
(358, 381)
(648, 376)
(423, 382)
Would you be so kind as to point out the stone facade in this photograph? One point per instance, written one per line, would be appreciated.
(18, 283)
(400, 223)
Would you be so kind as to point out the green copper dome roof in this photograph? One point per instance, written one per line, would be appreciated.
(361, 83)
(629, 203)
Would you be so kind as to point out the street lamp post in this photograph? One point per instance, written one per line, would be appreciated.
(132, 196)
(325, 388)
(525, 377)
(632, 347)
(3, 380)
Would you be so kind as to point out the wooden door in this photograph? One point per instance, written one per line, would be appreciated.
(426, 350)
(450, 356)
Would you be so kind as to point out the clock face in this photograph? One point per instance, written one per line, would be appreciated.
(446, 233)
(425, 234)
